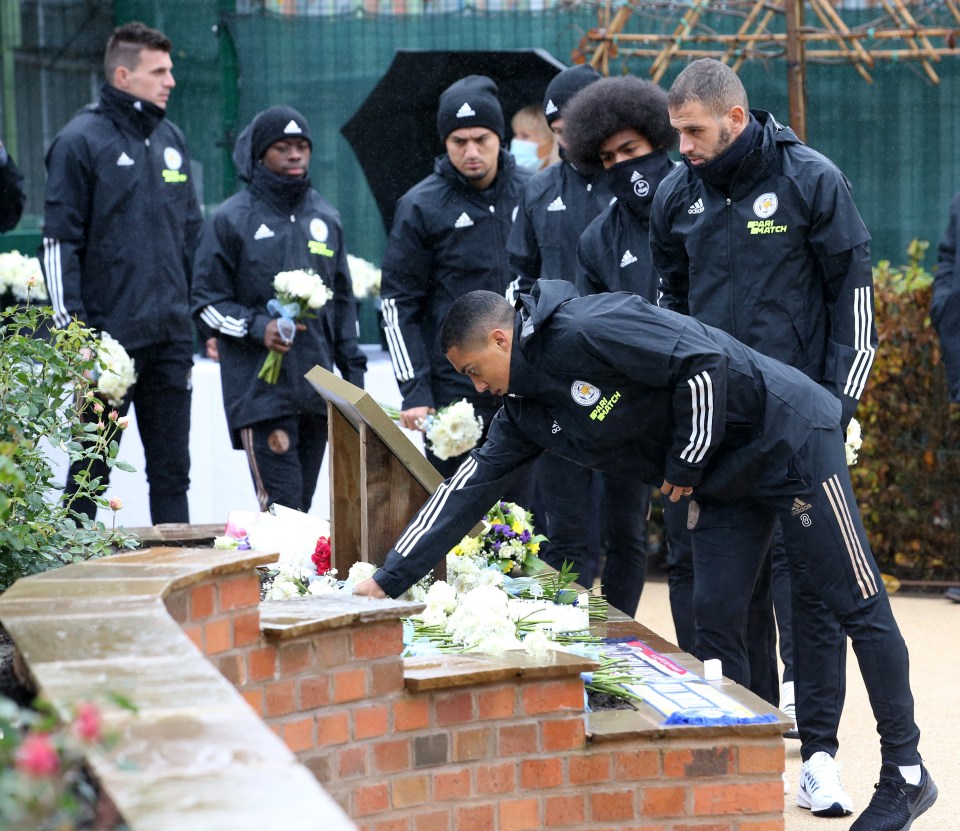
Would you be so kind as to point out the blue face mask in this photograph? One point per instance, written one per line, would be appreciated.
(525, 153)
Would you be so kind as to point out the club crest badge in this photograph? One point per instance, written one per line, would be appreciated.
(172, 158)
(765, 205)
(319, 230)
(584, 394)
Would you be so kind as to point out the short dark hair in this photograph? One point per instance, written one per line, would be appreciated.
(608, 106)
(125, 44)
(472, 317)
(714, 84)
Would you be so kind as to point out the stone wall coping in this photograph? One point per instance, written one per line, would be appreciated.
(195, 755)
(433, 672)
(281, 619)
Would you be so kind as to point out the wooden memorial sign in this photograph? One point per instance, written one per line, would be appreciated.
(378, 478)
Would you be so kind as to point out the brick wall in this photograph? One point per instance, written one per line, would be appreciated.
(402, 748)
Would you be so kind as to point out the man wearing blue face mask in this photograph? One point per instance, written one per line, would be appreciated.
(534, 145)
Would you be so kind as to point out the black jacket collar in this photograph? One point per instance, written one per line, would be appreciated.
(126, 111)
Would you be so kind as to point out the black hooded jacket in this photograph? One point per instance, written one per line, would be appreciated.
(614, 383)
(782, 264)
(448, 238)
(250, 238)
(121, 222)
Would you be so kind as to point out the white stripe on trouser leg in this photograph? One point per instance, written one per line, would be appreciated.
(246, 439)
(858, 557)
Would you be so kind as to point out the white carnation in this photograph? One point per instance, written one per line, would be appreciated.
(117, 371)
(365, 277)
(854, 441)
(282, 588)
(360, 572)
(21, 275)
(453, 430)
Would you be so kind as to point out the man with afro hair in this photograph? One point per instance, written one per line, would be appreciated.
(621, 126)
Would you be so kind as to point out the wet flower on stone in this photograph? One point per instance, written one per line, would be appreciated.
(37, 756)
(88, 724)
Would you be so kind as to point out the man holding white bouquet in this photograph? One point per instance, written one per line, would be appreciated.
(271, 279)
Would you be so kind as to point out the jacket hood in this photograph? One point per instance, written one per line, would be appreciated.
(243, 154)
(544, 299)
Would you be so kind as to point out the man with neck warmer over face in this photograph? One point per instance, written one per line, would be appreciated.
(277, 223)
(449, 236)
(758, 235)
(120, 226)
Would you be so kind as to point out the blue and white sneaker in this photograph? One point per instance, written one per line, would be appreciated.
(820, 789)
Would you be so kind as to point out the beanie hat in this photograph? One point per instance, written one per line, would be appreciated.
(276, 124)
(564, 86)
(470, 102)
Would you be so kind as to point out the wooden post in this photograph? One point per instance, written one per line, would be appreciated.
(796, 69)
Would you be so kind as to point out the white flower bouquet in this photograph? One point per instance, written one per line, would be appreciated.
(453, 430)
(297, 292)
(115, 372)
(365, 277)
(21, 276)
(854, 441)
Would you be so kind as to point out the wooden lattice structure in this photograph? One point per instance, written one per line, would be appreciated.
(800, 32)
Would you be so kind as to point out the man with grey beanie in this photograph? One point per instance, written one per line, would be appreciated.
(449, 237)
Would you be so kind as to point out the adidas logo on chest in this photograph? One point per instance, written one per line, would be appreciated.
(627, 259)
(463, 221)
(263, 232)
(556, 205)
(696, 207)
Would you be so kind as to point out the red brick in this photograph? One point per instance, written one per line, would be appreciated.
(377, 641)
(237, 592)
(664, 802)
(519, 814)
(560, 811)
(386, 677)
(392, 756)
(451, 786)
(434, 821)
(470, 745)
(217, 636)
(254, 698)
(333, 649)
(349, 685)
(314, 692)
(587, 768)
(262, 663)
(475, 818)
(563, 734)
(246, 629)
(497, 703)
(370, 800)
(333, 729)
(410, 790)
(411, 714)
(370, 722)
(352, 761)
(454, 708)
(298, 735)
(296, 657)
(552, 696)
(195, 633)
(536, 774)
(637, 764)
(402, 824)
(698, 762)
(279, 698)
(493, 779)
(761, 758)
(517, 740)
(611, 806)
(201, 601)
(730, 798)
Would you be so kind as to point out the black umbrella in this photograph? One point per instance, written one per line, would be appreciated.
(394, 133)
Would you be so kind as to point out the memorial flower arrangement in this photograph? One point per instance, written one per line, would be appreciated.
(854, 441)
(453, 430)
(114, 371)
(20, 275)
(365, 277)
(297, 292)
(507, 540)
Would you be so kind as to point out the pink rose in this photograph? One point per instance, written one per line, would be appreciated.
(116, 504)
(37, 756)
(88, 724)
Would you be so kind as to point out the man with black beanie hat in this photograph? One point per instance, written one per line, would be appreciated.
(277, 223)
(449, 237)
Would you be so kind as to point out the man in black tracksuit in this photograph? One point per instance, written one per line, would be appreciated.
(621, 385)
(945, 303)
(120, 226)
(12, 195)
(449, 237)
(621, 126)
(277, 223)
(758, 235)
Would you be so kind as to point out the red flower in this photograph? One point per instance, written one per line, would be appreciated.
(37, 756)
(321, 556)
(88, 724)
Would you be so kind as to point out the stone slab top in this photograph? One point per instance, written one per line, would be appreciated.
(298, 616)
(433, 672)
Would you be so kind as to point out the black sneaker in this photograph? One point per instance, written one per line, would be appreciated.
(895, 804)
(953, 593)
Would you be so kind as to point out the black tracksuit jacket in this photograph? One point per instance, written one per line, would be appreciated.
(617, 384)
(448, 238)
(782, 263)
(945, 304)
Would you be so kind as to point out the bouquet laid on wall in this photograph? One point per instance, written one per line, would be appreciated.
(297, 292)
